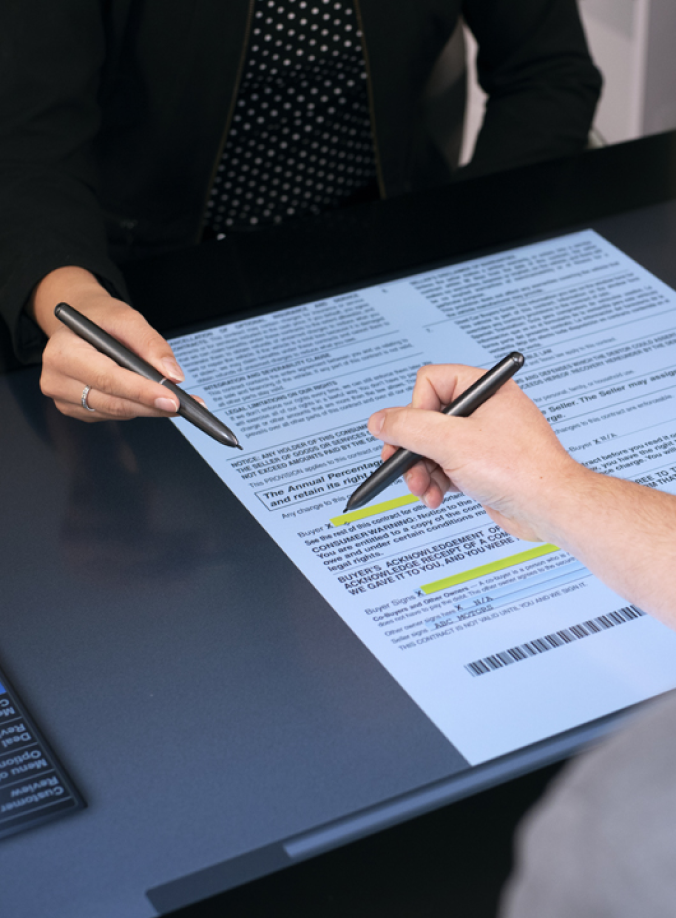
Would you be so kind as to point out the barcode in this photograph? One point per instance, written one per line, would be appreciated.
(552, 641)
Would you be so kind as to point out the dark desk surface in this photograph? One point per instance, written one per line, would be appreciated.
(199, 718)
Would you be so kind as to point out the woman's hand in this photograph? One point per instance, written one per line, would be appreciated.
(69, 364)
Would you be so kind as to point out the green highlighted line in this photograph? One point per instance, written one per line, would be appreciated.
(501, 565)
(374, 510)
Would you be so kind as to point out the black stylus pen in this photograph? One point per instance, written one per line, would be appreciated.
(464, 405)
(188, 408)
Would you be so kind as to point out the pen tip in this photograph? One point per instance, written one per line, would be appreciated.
(239, 446)
(347, 507)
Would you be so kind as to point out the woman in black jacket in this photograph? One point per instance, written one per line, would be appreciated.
(116, 116)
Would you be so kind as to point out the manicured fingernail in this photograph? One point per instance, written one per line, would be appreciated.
(425, 499)
(200, 400)
(166, 404)
(172, 370)
(376, 421)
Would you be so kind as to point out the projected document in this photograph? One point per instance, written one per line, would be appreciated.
(501, 643)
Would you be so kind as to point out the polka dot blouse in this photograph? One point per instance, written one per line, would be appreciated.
(300, 140)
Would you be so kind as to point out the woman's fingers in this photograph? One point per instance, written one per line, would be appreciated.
(132, 330)
(114, 392)
(70, 364)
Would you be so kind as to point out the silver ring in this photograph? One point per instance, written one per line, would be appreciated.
(85, 393)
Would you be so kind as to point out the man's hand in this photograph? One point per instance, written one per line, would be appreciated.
(69, 363)
(505, 455)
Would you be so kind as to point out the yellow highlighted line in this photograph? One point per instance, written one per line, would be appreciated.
(374, 510)
(500, 565)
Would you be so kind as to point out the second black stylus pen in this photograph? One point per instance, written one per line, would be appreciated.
(190, 409)
(401, 461)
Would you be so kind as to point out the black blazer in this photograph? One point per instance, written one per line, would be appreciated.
(113, 115)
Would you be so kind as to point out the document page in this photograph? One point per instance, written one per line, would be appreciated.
(501, 643)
